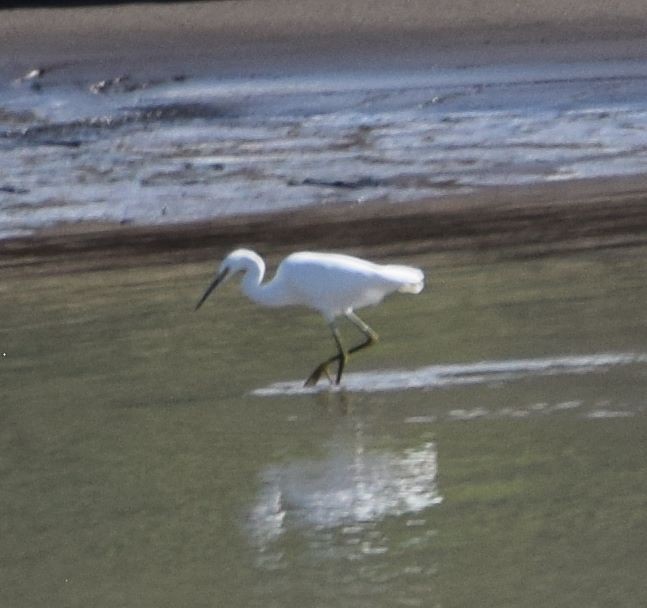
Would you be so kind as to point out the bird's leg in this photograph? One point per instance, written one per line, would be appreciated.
(340, 357)
(371, 336)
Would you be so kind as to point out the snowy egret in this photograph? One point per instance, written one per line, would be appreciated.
(331, 283)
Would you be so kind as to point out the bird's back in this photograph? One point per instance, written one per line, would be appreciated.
(335, 283)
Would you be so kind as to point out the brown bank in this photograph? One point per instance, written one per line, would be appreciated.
(519, 221)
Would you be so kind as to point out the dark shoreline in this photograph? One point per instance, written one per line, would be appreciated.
(519, 221)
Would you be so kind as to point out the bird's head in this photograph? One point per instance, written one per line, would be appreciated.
(237, 261)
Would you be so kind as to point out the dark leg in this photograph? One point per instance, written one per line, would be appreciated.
(340, 357)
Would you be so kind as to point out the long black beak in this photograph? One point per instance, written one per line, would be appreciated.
(219, 279)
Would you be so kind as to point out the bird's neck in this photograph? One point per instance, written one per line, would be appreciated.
(263, 294)
(252, 277)
(252, 287)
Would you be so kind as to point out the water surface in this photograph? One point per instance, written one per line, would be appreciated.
(140, 465)
(119, 148)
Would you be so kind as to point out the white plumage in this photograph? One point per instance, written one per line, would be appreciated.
(330, 283)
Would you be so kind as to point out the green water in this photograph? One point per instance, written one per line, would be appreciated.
(138, 469)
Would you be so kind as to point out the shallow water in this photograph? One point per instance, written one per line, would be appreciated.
(179, 148)
(139, 467)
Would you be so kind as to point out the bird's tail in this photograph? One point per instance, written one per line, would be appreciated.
(412, 279)
(412, 287)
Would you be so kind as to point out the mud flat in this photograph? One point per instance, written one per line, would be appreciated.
(275, 37)
(519, 221)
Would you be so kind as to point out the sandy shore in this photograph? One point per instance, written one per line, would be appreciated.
(555, 218)
(88, 27)
(257, 35)
(254, 34)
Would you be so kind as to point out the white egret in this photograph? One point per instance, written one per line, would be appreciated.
(330, 283)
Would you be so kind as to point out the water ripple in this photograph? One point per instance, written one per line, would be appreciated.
(440, 376)
(291, 141)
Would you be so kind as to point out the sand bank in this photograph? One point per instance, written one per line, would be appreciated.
(252, 33)
(554, 218)
(308, 17)
(256, 35)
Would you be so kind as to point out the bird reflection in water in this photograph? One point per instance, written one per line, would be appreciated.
(344, 495)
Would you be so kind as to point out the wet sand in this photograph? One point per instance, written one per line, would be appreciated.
(248, 36)
(90, 28)
(254, 34)
(519, 221)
